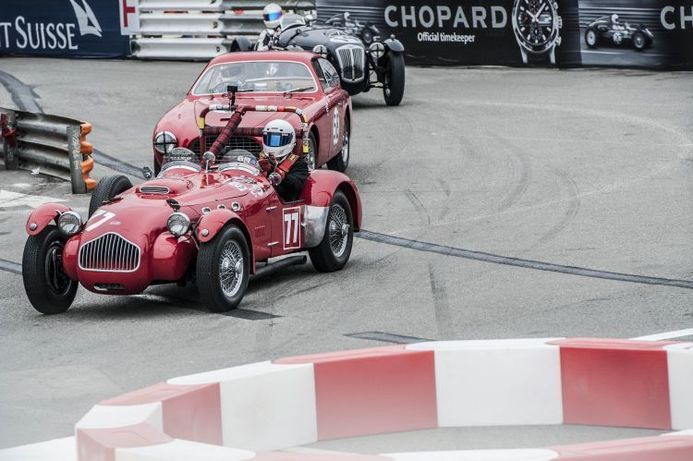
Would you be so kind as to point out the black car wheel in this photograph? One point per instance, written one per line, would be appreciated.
(341, 161)
(335, 248)
(393, 86)
(50, 291)
(223, 269)
(591, 37)
(106, 189)
(639, 41)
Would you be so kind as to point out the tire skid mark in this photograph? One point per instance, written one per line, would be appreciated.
(519, 161)
(441, 305)
(418, 205)
(570, 213)
(519, 262)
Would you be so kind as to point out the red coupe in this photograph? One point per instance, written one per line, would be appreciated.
(302, 79)
(213, 224)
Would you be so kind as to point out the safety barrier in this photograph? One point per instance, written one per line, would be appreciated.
(199, 29)
(50, 144)
(243, 412)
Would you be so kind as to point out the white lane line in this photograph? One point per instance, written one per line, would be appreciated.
(10, 199)
(666, 335)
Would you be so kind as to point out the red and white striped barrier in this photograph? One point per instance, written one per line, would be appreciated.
(245, 412)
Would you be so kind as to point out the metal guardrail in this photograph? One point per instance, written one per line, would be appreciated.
(200, 29)
(54, 145)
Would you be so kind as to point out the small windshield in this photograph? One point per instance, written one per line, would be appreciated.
(181, 158)
(239, 159)
(291, 20)
(258, 76)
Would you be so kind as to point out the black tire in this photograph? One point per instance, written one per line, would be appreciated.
(49, 290)
(210, 267)
(340, 162)
(332, 254)
(312, 156)
(106, 189)
(393, 86)
(157, 169)
(639, 41)
(591, 37)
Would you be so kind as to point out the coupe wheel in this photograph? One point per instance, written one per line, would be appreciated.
(341, 161)
(223, 269)
(393, 85)
(639, 41)
(106, 189)
(335, 248)
(312, 155)
(50, 291)
(591, 38)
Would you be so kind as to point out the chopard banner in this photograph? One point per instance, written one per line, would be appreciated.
(563, 33)
(70, 28)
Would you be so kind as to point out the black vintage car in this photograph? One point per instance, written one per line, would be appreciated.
(361, 67)
(609, 30)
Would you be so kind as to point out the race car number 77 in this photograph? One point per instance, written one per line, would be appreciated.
(292, 228)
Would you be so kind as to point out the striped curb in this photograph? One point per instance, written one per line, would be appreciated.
(247, 412)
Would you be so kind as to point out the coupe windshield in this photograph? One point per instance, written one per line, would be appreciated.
(258, 76)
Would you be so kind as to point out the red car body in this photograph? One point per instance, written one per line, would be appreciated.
(319, 106)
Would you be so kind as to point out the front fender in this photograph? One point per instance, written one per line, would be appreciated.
(42, 216)
(212, 222)
(394, 45)
(321, 186)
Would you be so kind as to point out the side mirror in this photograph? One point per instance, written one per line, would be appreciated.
(147, 172)
(209, 159)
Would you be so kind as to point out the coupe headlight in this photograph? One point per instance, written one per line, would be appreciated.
(178, 224)
(164, 142)
(377, 50)
(70, 223)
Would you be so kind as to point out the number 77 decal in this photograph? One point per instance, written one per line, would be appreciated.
(292, 228)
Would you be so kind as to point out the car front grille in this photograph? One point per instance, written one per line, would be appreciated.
(236, 142)
(109, 253)
(351, 60)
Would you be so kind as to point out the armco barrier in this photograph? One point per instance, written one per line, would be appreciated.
(54, 145)
(244, 412)
(199, 29)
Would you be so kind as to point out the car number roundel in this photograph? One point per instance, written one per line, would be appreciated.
(335, 126)
(291, 226)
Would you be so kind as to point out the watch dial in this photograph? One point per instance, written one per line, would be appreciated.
(535, 23)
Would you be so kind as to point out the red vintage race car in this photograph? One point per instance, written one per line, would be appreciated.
(300, 79)
(214, 224)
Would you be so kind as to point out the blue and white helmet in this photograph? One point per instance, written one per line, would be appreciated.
(278, 138)
(272, 15)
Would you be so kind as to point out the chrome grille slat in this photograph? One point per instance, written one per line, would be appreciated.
(352, 60)
(109, 253)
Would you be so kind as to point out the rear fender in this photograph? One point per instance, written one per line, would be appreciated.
(321, 187)
(394, 45)
(42, 216)
(214, 221)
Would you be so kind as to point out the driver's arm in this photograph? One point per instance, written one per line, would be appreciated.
(295, 179)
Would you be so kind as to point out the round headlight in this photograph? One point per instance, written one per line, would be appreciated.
(164, 142)
(377, 50)
(69, 223)
(178, 224)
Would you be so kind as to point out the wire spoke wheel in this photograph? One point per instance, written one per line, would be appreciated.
(338, 229)
(231, 268)
(334, 250)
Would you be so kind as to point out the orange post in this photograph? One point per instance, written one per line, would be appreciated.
(87, 149)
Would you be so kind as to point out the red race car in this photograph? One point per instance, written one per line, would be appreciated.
(302, 79)
(214, 224)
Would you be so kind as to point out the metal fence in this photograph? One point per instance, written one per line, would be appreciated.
(49, 144)
(200, 29)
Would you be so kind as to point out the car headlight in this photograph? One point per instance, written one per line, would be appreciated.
(164, 142)
(178, 224)
(377, 50)
(70, 223)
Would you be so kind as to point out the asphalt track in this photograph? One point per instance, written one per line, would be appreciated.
(499, 203)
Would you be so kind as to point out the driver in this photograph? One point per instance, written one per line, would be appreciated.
(615, 24)
(272, 16)
(286, 171)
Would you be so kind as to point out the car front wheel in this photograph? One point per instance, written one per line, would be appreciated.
(591, 38)
(223, 269)
(340, 162)
(49, 289)
(393, 86)
(639, 41)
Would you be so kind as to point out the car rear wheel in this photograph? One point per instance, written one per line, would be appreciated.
(223, 269)
(312, 155)
(393, 86)
(591, 37)
(49, 289)
(341, 161)
(106, 189)
(639, 41)
(335, 248)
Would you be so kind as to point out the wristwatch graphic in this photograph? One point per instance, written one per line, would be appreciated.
(537, 25)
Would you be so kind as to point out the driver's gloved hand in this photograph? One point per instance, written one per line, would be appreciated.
(275, 179)
(265, 164)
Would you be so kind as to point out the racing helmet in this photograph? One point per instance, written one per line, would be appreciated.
(614, 18)
(272, 15)
(278, 139)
